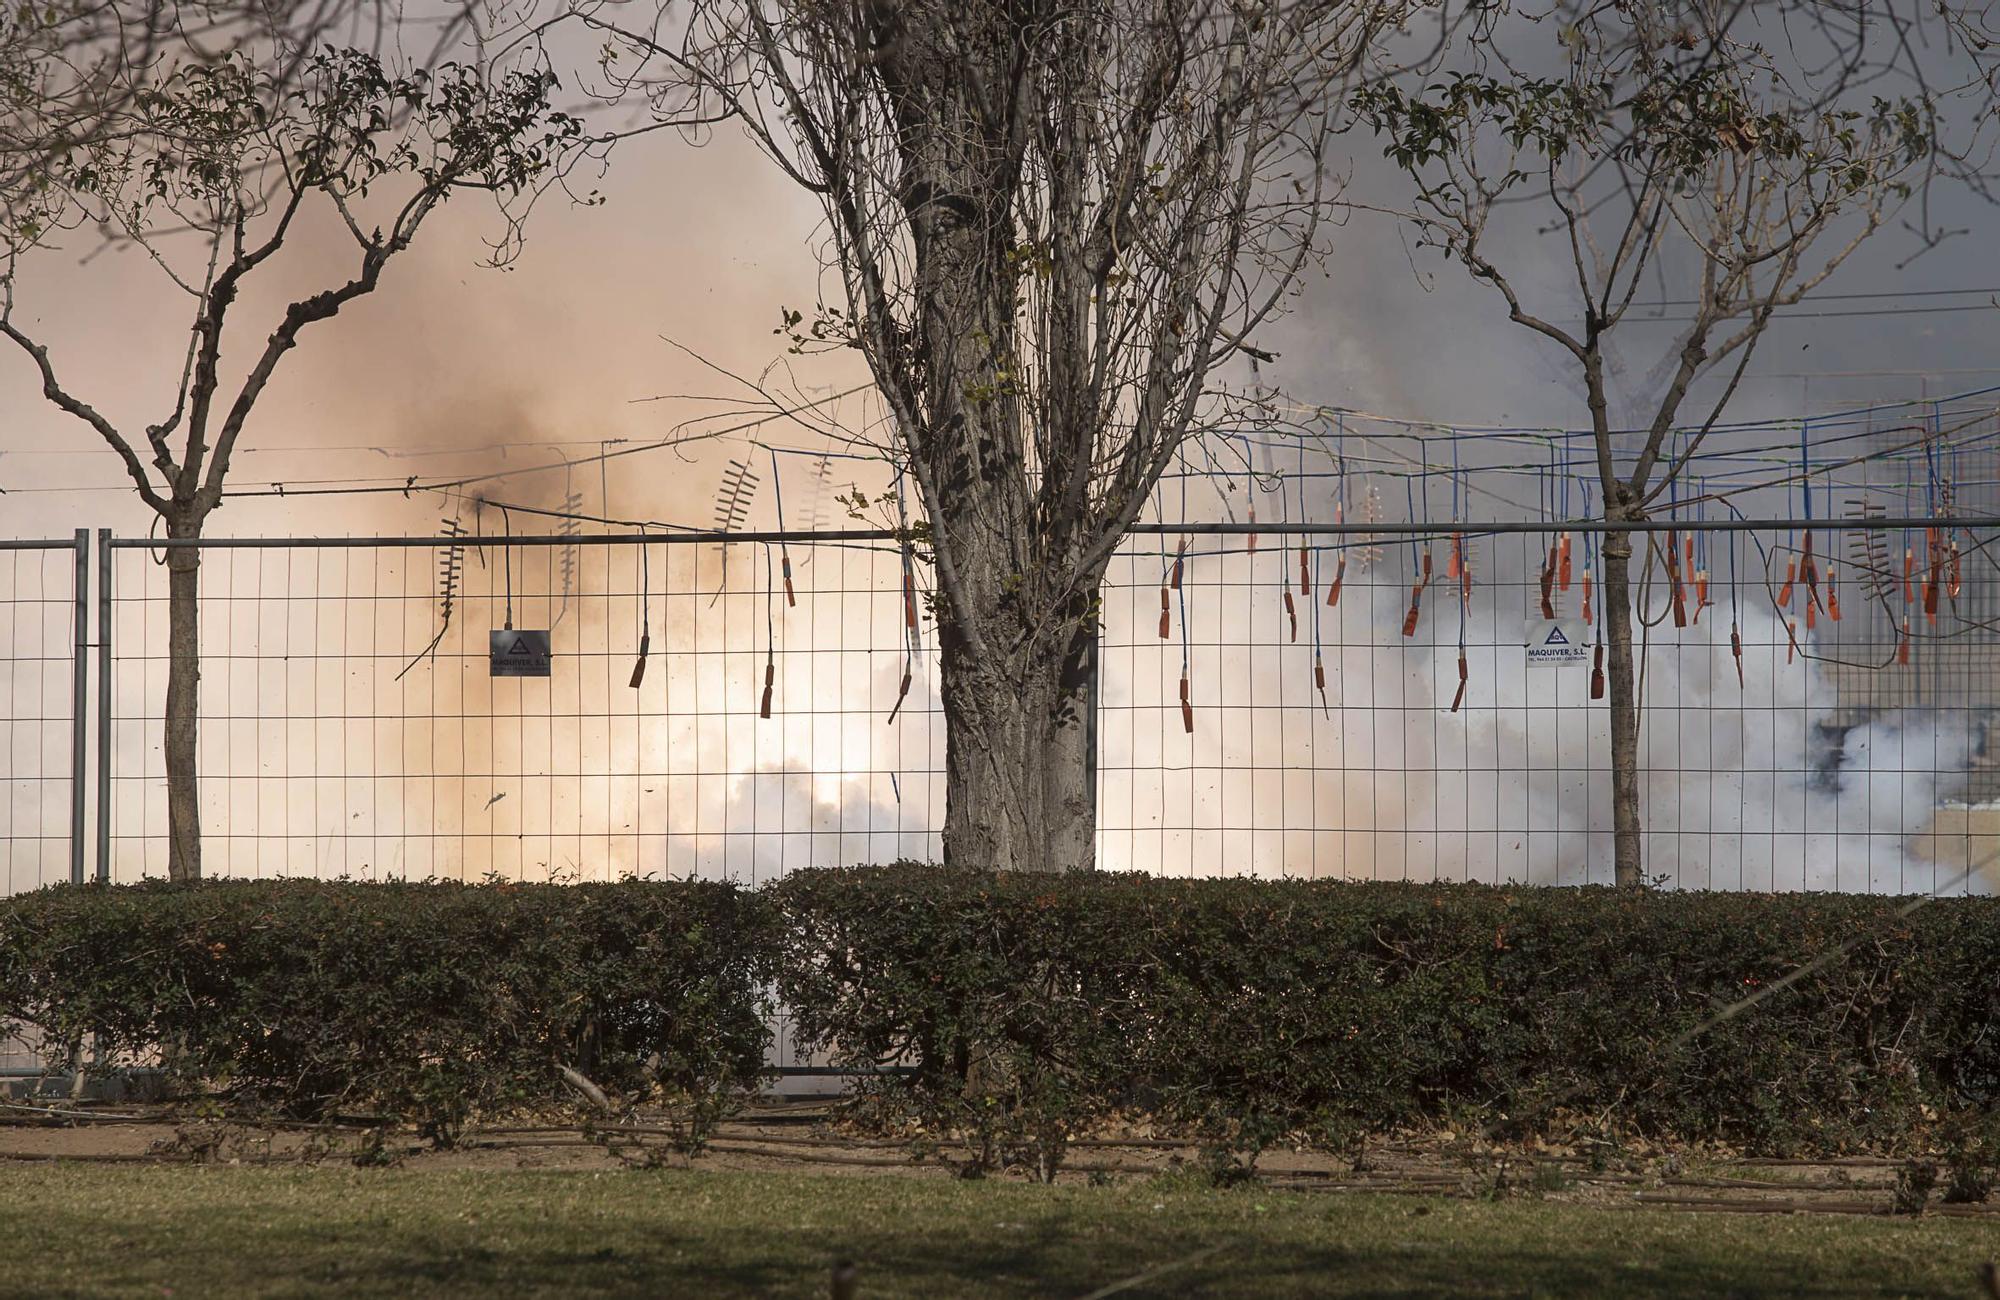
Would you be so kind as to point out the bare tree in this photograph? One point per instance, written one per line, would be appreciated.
(1669, 149)
(1052, 225)
(213, 167)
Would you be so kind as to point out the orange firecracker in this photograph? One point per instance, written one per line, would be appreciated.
(1305, 574)
(1562, 564)
(1586, 597)
(1833, 592)
(1339, 576)
(1791, 638)
(1791, 576)
(1736, 652)
(1459, 698)
(1417, 595)
(1292, 613)
(1187, 707)
(1597, 672)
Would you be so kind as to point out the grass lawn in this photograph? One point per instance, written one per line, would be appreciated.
(234, 1231)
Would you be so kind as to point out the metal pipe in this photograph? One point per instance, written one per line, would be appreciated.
(34, 544)
(104, 706)
(1444, 529)
(834, 536)
(1090, 697)
(79, 722)
(509, 539)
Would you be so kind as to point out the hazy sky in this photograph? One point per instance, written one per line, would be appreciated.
(705, 245)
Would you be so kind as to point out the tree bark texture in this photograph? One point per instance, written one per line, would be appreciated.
(1622, 689)
(1018, 782)
(183, 706)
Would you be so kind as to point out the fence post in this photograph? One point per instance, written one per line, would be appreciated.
(79, 732)
(1090, 717)
(104, 554)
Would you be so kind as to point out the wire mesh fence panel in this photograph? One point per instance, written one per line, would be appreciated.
(38, 813)
(725, 711)
(37, 712)
(1426, 704)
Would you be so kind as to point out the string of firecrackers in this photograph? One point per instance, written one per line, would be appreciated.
(1308, 569)
(1458, 569)
(645, 612)
(912, 644)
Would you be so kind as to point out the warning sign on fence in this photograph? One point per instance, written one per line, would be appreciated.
(1557, 643)
(518, 653)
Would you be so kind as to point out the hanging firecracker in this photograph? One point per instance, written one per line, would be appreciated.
(1417, 595)
(1674, 582)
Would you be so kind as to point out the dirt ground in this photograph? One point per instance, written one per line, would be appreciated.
(795, 1135)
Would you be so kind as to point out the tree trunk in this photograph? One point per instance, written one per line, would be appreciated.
(1019, 789)
(183, 704)
(1621, 686)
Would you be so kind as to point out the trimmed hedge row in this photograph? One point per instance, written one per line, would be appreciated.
(1029, 1007)
(426, 1002)
(1250, 1009)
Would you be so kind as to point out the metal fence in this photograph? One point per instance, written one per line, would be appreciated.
(43, 629)
(1300, 701)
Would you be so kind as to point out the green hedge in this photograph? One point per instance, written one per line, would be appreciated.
(1250, 1009)
(425, 1002)
(1028, 1008)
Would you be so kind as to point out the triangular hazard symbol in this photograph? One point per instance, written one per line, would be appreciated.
(520, 647)
(1556, 637)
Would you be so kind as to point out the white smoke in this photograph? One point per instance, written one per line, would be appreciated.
(1759, 785)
